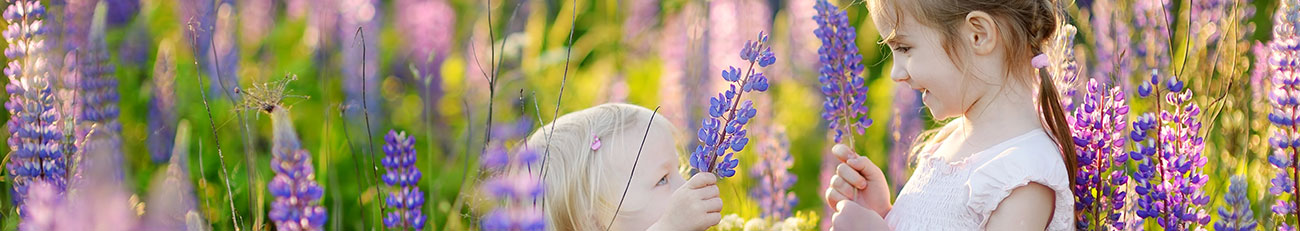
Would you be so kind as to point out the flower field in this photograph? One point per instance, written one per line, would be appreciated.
(413, 114)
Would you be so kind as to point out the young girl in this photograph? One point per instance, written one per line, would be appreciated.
(1001, 163)
(592, 153)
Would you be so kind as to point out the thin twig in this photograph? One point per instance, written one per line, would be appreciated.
(563, 80)
(365, 110)
(634, 162)
(244, 129)
(234, 214)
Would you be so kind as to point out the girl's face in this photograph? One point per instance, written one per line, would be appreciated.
(921, 62)
(654, 181)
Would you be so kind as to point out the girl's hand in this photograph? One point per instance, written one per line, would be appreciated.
(854, 217)
(857, 179)
(694, 206)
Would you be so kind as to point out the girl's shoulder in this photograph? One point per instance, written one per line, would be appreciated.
(1029, 158)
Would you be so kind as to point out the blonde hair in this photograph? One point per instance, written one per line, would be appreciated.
(1028, 26)
(574, 174)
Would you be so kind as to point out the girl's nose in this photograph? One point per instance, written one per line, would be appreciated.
(898, 73)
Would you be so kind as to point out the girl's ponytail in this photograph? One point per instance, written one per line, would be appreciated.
(1054, 120)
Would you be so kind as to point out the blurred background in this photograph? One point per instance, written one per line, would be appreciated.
(364, 67)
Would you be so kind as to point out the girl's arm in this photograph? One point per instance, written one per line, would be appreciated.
(1028, 207)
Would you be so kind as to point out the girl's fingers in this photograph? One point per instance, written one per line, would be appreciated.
(834, 197)
(700, 180)
(866, 167)
(711, 219)
(713, 205)
(850, 175)
(707, 193)
(843, 152)
(844, 188)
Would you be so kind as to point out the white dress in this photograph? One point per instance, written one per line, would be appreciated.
(961, 194)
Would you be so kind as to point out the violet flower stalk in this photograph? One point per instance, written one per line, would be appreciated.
(845, 104)
(1113, 47)
(1284, 72)
(1099, 136)
(904, 127)
(162, 106)
(36, 137)
(1236, 216)
(515, 187)
(1169, 173)
(296, 203)
(94, 88)
(724, 129)
(406, 199)
(774, 177)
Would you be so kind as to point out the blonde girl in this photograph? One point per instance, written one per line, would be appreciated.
(592, 153)
(1004, 161)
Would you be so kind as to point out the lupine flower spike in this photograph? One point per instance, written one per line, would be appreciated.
(296, 203)
(845, 102)
(34, 123)
(1236, 215)
(722, 133)
(1098, 126)
(514, 187)
(774, 177)
(1169, 173)
(405, 198)
(1284, 70)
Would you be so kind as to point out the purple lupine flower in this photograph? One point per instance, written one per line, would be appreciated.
(94, 88)
(1114, 56)
(1260, 70)
(256, 19)
(201, 17)
(515, 187)
(94, 201)
(905, 126)
(1170, 175)
(642, 15)
(774, 177)
(845, 104)
(724, 129)
(41, 210)
(122, 11)
(1236, 216)
(1098, 126)
(162, 106)
(171, 195)
(406, 199)
(36, 136)
(1284, 73)
(99, 198)
(297, 195)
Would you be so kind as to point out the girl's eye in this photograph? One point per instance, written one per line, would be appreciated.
(662, 180)
(902, 49)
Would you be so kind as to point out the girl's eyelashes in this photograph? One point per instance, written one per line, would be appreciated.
(902, 49)
(662, 180)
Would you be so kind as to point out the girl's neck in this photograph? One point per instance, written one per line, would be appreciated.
(1000, 115)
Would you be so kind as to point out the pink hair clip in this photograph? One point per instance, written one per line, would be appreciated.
(1039, 61)
(595, 143)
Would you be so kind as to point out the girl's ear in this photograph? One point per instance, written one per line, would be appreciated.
(980, 31)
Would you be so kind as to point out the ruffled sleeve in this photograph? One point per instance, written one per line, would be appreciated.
(993, 181)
